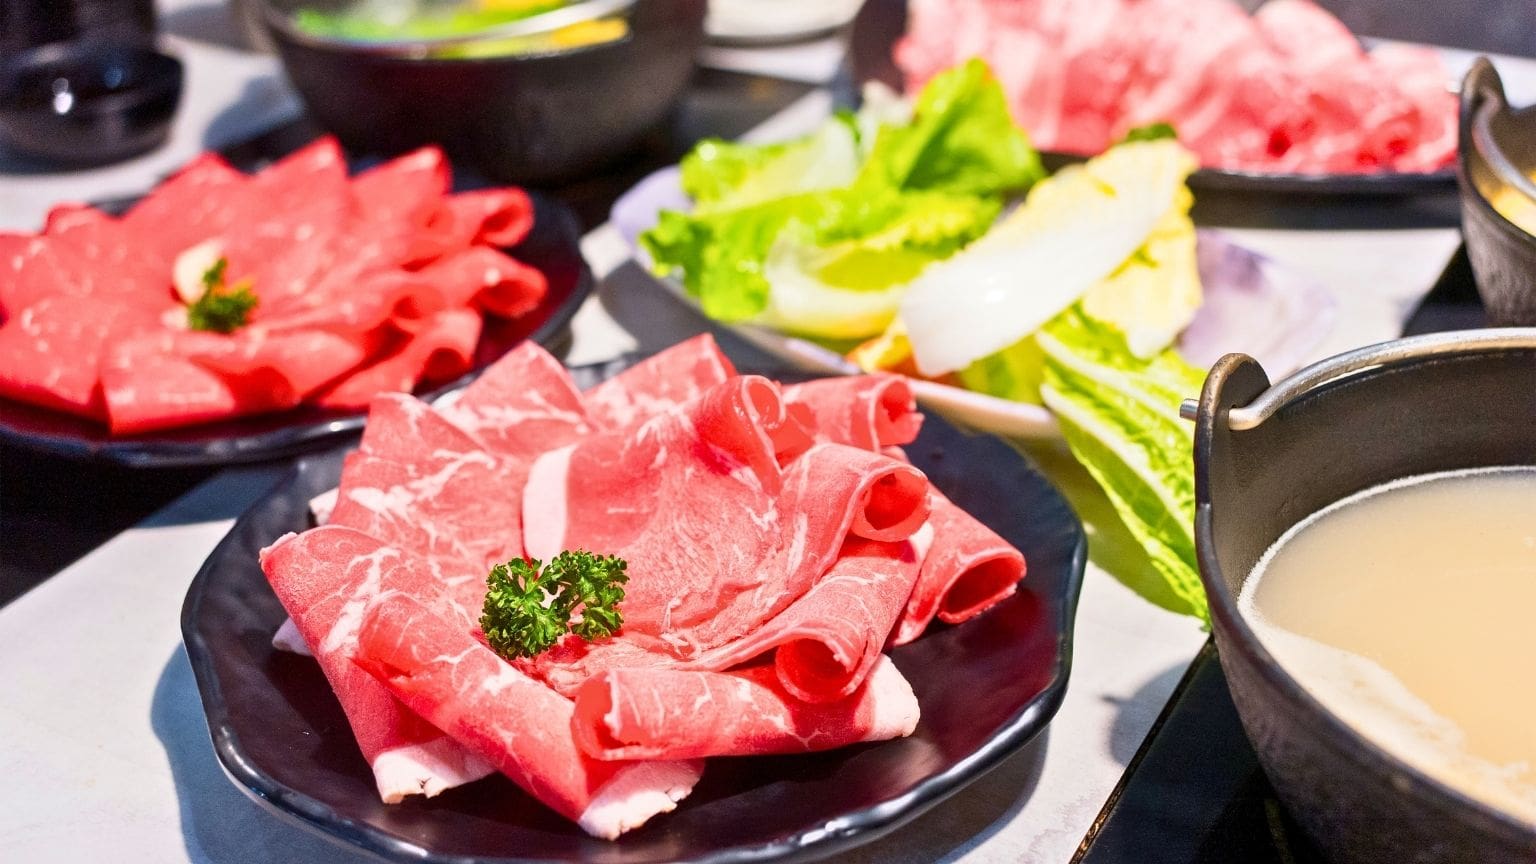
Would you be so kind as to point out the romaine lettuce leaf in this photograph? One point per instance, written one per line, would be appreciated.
(722, 255)
(1120, 416)
(806, 219)
(1014, 373)
(961, 140)
(723, 175)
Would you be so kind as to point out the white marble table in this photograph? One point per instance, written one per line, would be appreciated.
(103, 747)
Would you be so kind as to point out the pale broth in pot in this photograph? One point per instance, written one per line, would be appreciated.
(1409, 611)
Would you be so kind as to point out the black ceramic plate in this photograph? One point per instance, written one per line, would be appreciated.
(986, 688)
(881, 22)
(553, 246)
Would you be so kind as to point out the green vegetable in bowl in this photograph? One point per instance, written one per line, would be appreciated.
(387, 20)
(426, 21)
(820, 235)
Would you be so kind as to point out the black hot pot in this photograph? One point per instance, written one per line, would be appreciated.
(1266, 457)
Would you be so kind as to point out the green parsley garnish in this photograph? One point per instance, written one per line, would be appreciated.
(528, 609)
(221, 308)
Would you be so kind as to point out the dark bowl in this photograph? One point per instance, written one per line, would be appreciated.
(524, 118)
(1503, 255)
(88, 102)
(1266, 458)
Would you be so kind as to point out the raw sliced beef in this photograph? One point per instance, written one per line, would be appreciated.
(658, 384)
(364, 285)
(827, 641)
(85, 265)
(441, 350)
(407, 430)
(768, 566)
(408, 190)
(160, 379)
(968, 569)
(670, 714)
(50, 351)
(325, 578)
(1287, 89)
(521, 406)
(420, 483)
(487, 279)
(197, 202)
(495, 217)
(428, 658)
(718, 537)
(871, 412)
(443, 516)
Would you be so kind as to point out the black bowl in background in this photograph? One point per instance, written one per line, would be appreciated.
(1503, 255)
(1427, 404)
(88, 102)
(524, 118)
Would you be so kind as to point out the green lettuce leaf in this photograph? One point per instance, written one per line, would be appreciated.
(843, 279)
(1120, 417)
(961, 140)
(802, 236)
(722, 255)
(1014, 373)
(723, 175)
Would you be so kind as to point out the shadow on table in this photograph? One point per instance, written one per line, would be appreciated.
(657, 320)
(1130, 727)
(961, 823)
(218, 823)
(212, 23)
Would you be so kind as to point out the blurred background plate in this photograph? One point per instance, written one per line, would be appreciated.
(766, 22)
(552, 247)
(880, 23)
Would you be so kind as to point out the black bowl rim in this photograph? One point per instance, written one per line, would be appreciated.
(1234, 632)
(850, 829)
(285, 441)
(166, 73)
(281, 26)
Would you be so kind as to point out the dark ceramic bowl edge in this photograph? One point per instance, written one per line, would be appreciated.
(1316, 718)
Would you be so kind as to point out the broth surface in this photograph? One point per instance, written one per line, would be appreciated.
(1409, 610)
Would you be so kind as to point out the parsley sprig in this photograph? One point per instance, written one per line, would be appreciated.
(221, 308)
(529, 607)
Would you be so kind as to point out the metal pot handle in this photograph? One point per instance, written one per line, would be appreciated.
(1488, 148)
(1424, 347)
